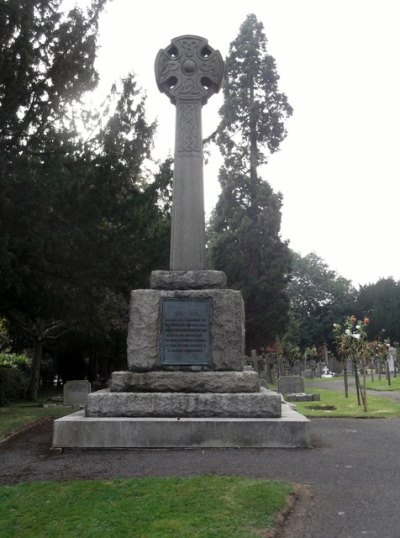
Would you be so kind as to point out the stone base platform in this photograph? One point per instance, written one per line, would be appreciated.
(264, 403)
(291, 430)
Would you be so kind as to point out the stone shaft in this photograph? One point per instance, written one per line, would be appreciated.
(188, 71)
(188, 225)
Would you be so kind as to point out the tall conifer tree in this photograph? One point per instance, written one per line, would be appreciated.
(80, 224)
(245, 226)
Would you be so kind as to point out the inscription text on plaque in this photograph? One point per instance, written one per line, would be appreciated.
(185, 332)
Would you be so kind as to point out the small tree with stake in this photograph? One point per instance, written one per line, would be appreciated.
(351, 341)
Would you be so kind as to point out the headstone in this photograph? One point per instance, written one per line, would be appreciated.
(391, 358)
(296, 369)
(326, 372)
(292, 388)
(76, 392)
(289, 384)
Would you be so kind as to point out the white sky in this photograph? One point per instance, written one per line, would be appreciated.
(338, 60)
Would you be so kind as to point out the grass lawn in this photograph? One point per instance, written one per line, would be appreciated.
(198, 507)
(383, 383)
(16, 416)
(338, 406)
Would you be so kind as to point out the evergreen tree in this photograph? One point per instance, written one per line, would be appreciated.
(245, 226)
(80, 224)
(254, 110)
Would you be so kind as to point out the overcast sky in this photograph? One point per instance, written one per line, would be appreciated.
(338, 61)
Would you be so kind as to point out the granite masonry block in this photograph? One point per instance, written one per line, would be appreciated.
(164, 381)
(227, 327)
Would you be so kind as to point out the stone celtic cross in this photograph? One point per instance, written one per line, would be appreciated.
(189, 71)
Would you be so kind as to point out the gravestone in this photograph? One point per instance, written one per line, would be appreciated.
(391, 359)
(292, 388)
(289, 384)
(186, 385)
(76, 392)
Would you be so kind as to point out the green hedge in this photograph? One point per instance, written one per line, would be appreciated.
(13, 385)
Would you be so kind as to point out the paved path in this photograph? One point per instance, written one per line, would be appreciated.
(353, 471)
(338, 386)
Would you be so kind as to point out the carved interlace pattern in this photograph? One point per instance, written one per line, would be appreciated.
(189, 138)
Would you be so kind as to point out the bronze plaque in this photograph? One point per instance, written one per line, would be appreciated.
(185, 332)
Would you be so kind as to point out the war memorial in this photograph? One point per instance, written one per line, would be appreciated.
(186, 385)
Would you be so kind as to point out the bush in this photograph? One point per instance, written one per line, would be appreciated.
(12, 360)
(14, 377)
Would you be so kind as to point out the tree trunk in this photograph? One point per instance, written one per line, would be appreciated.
(35, 370)
(357, 382)
(365, 384)
(253, 136)
(346, 382)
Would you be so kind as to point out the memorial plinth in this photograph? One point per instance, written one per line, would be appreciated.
(185, 356)
(153, 332)
(185, 385)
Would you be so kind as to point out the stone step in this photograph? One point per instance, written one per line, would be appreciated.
(291, 430)
(178, 381)
(264, 403)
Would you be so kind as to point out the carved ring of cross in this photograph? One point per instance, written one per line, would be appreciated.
(189, 69)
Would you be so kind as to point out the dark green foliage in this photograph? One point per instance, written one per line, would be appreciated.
(246, 245)
(13, 385)
(47, 61)
(79, 223)
(244, 230)
(380, 302)
(254, 110)
(318, 297)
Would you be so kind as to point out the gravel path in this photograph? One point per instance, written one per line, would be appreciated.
(352, 472)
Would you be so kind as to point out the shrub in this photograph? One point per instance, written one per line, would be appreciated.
(14, 377)
(12, 360)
